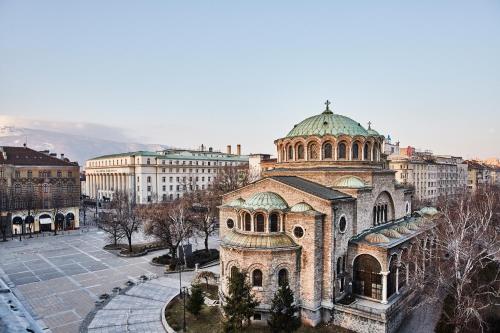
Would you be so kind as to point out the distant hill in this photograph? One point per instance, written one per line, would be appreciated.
(75, 147)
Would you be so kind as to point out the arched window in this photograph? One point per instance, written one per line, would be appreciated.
(339, 265)
(342, 224)
(300, 152)
(342, 151)
(367, 278)
(282, 277)
(234, 270)
(230, 223)
(248, 222)
(313, 151)
(257, 278)
(259, 222)
(148, 161)
(355, 151)
(365, 152)
(290, 153)
(327, 150)
(273, 222)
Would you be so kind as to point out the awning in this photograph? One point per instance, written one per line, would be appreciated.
(46, 220)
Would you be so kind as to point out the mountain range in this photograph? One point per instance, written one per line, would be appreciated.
(75, 147)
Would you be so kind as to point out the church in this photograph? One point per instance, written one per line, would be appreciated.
(329, 218)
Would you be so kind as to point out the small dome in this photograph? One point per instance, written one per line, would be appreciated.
(266, 200)
(237, 202)
(301, 207)
(328, 123)
(391, 233)
(351, 181)
(402, 229)
(411, 226)
(376, 238)
(428, 211)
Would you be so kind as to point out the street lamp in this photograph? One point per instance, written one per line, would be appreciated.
(184, 292)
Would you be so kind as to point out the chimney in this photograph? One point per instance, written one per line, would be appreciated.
(210, 149)
(62, 156)
(238, 149)
(229, 149)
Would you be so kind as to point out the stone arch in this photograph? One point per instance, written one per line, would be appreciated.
(367, 279)
(392, 276)
(342, 150)
(251, 270)
(357, 150)
(313, 149)
(259, 219)
(274, 221)
(383, 208)
(246, 220)
(328, 150)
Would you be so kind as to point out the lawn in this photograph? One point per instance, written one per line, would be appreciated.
(210, 320)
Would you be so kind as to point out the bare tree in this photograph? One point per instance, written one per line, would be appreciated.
(230, 178)
(168, 222)
(31, 202)
(126, 214)
(457, 257)
(112, 226)
(5, 196)
(204, 206)
(57, 204)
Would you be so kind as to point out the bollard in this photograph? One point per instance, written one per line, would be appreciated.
(196, 267)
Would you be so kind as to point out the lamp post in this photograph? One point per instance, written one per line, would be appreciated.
(184, 308)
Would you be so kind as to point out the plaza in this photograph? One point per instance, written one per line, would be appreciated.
(59, 278)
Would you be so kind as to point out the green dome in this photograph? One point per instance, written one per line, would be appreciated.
(350, 181)
(237, 202)
(376, 238)
(328, 123)
(265, 200)
(372, 132)
(301, 207)
(257, 240)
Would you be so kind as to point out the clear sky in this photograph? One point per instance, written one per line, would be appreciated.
(226, 72)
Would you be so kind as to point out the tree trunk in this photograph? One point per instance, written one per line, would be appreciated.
(206, 243)
(129, 244)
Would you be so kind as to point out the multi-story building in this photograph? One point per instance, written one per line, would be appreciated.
(391, 148)
(38, 190)
(431, 176)
(479, 175)
(157, 176)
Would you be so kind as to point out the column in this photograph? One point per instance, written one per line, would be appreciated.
(384, 287)
(397, 279)
(407, 273)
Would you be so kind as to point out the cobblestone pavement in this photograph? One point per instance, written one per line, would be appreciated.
(138, 310)
(58, 278)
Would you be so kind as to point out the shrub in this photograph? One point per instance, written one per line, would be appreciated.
(196, 300)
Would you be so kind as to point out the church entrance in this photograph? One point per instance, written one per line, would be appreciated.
(367, 278)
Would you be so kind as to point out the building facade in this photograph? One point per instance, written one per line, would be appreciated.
(481, 175)
(38, 190)
(330, 219)
(431, 176)
(157, 176)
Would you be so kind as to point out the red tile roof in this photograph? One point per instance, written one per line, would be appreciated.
(28, 156)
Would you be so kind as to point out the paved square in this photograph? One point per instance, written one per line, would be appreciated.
(59, 278)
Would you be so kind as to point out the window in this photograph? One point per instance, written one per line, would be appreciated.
(230, 223)
(355, 151)
(257, 278)
(30, 174)
(18, 174)
(148, 161)
(313, 151)
(234, 270)
(149, 179)
(300, 152)
(365, 152)
(327, 150)
(163, 179)
(290, 153)
(342, 151)
(259, 222)
(248, 222)
(257, 316)
(298, 232)
(342, 224)
(273, 223)
(164, 188)
(282, 277)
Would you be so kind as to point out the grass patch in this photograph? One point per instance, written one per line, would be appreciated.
(210, 320)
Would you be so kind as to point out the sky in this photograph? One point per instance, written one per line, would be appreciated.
(183, 73)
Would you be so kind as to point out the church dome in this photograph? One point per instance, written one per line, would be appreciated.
(266, 200)
(258, 241)
(351, 182)
(301, 207)
(328, 123)
(391, 233)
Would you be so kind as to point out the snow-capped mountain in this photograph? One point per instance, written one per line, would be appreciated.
(75, 147)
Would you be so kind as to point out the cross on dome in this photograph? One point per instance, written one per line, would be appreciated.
(327, 110)
(369, 125)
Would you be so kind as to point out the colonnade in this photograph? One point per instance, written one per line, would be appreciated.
(108, 182)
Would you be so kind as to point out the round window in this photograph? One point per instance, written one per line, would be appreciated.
(298, 232)
(230, 223)
(342, 224)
